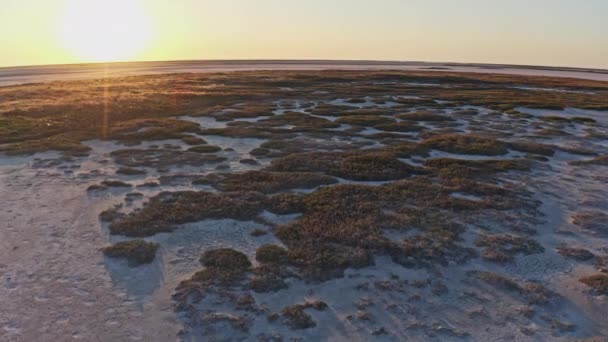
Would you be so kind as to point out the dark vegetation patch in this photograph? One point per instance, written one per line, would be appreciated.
(534, 292)
(269, 277)
(224, 268)
(479, 166)
(601, 160)
(136, 252)
(162, 158)
(239, 132)
(592, 220)
(115, 184)
(205, 149)
(237, 322)
(399, 127)
(359, 165)
(246, 111)
(260, 152)
(504, 247)
(271, 254)
(598, 282)
(249, 161)
(148, 185)
(532, 147)
(69, 144)
(296, 318)
(137, 130)
(96, 187)
(365, 120)
(111, 214)
(550, 132)
(579, 254)
(192, 140)
(301, 121)
(225, 258)
(425, 116)
(466, 144)
(166, 210)
(267, 182)
(342, 226)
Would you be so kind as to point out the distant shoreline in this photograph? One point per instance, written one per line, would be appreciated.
(45, 73)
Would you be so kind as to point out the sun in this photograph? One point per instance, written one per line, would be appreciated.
(105, 30)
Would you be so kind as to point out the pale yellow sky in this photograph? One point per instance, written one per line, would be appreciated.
(540, 32)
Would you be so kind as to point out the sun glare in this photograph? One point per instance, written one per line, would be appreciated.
(105, 30)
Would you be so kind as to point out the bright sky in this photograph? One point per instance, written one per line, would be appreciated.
(540, 32)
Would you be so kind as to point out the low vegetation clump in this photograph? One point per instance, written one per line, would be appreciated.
(68, 144)
(115, 184)
(247, 111)
(362, 165)
(136, 252)
(193, 140)
(365, 120)
(591, 220)
(238, 132)
(224, 267)
(598, 282)
(582, 119)
(504, 247)
(260, 152)
(137, 130)
(466, 144)
(267, 182)
(96, 187)
(166, 210)
(271, 254)
(479, 167)
(285, 203)
(399, 127)
(205, 149)
(236, 322)
(111, 214)
(162, 158)
(532, 147)
(269, 277)
(535, 293)
(550, 132)
(342, 226)
(556, 119)
(300, 121)
(225, 258)
(601, 160)
(296, 318)
(579, 254)
(424, 116)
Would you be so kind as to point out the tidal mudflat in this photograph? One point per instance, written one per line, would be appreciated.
(304, 205)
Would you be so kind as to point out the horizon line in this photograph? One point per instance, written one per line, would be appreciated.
(329, 61)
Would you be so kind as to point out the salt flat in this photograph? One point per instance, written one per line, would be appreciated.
(302, 204)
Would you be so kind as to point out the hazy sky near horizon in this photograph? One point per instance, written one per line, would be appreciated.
(539, 32)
